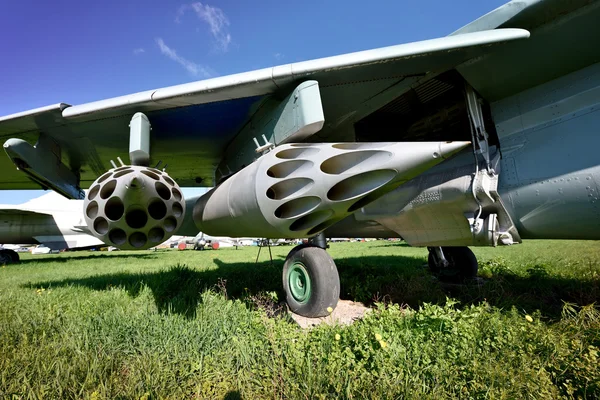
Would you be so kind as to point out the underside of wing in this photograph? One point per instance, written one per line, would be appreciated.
(193, 124)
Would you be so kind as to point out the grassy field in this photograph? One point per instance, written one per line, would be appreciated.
(171, 324)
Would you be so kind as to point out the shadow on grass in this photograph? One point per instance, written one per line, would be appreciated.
(234, 395)
(100, 256)
(178, 289)
(407, 281)
(397, 279)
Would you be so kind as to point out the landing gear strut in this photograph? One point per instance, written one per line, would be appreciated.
(310, 280)
(8, 257)
(453, 264)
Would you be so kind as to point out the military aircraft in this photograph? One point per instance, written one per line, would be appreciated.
(50, 220)
(201, 240)
(485, 137)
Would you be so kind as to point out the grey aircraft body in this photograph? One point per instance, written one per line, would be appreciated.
(485, 137)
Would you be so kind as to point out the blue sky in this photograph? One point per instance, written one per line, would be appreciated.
(81, 51)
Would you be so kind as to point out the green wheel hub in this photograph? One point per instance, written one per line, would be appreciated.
(299, 283)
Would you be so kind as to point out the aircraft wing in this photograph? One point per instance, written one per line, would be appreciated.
(22, 225)
(192, 124)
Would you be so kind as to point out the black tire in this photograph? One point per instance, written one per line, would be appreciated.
(5, 257)
(14, 256)
(462, 264)
(295, 249)
(316, 270)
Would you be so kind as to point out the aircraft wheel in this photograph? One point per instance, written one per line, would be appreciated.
(14, 256)
(311, 281)
(462, 264)
(5, 257)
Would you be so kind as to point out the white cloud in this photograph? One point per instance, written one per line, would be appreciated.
(278, 56)
(191, 67)
(214, 17)
(138, 51)
(180, 12)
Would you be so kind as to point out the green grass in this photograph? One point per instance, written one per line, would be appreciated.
(171, 324)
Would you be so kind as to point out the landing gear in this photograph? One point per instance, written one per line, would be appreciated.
(8, 257)
(453, 264)
(200, 244)
(311, 281)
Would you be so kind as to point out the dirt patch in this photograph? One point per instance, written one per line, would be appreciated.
(345, 313)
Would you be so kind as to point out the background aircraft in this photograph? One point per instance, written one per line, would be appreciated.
(202, 239)
(52, 220)
(481, 138)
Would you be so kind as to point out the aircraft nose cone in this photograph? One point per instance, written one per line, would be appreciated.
(448, 149)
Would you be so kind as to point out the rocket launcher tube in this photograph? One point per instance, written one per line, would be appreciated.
(298, 190)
